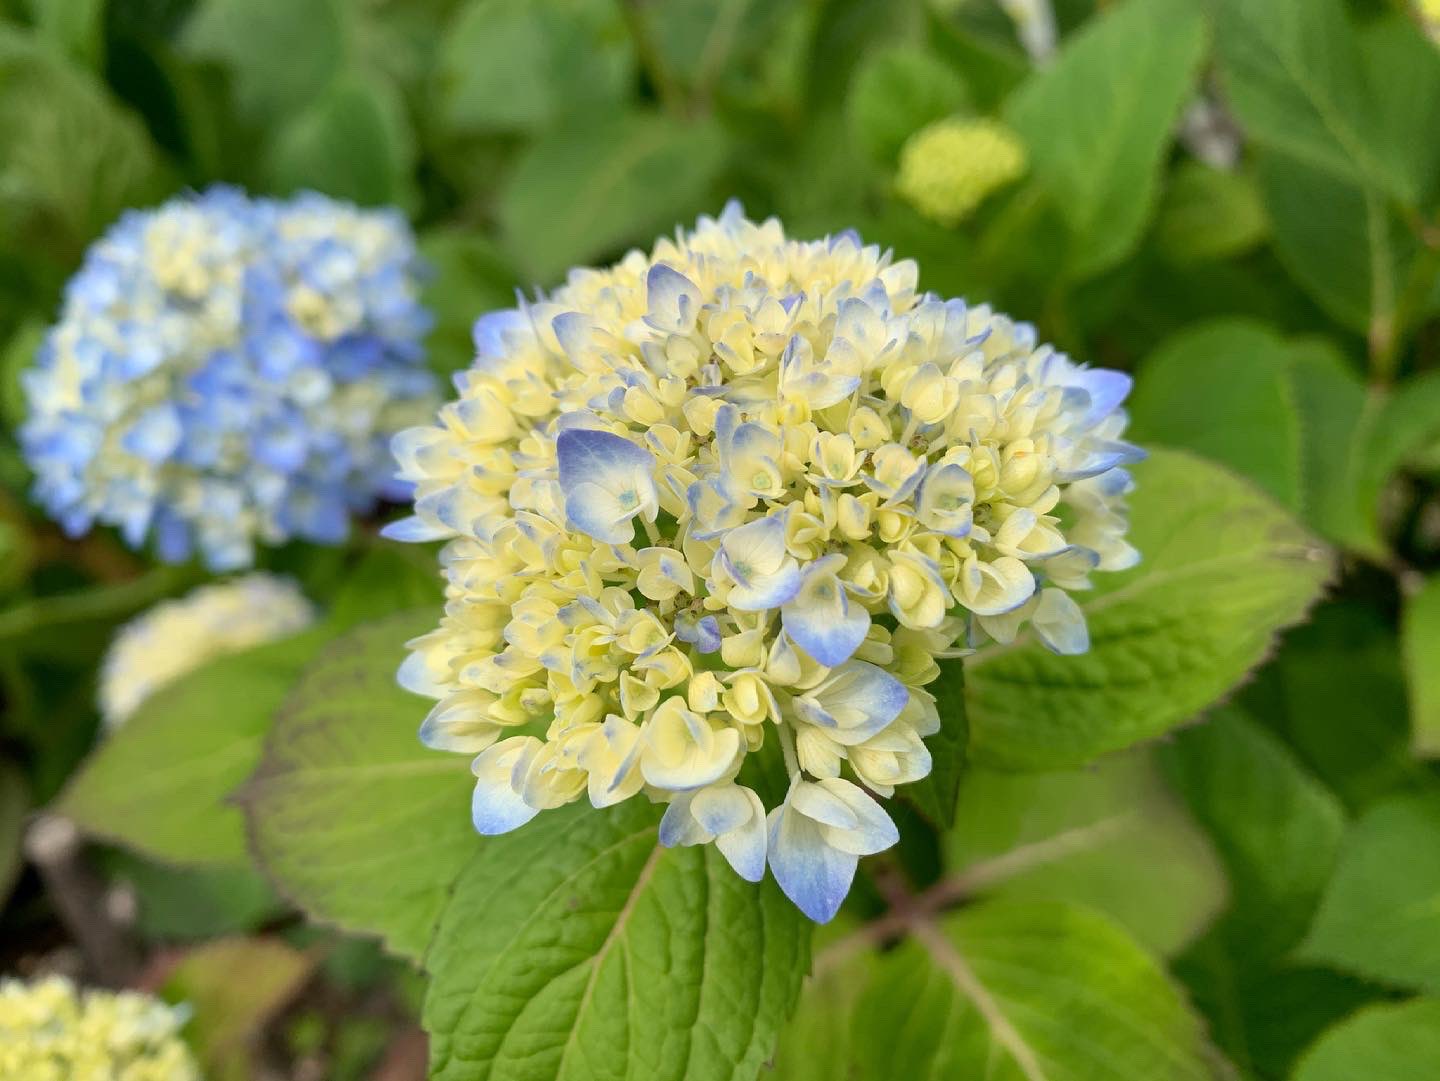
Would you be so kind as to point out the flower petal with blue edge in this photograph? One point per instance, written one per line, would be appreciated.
(607, 480)
(814, 875)
(821, 617)
(496, 806)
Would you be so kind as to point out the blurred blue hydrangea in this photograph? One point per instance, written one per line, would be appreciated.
(227, 371)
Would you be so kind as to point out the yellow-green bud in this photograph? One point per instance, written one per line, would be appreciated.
(949, 167)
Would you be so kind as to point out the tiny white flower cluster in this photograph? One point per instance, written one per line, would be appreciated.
(747, 485)
(51, 1031)
(178, 636)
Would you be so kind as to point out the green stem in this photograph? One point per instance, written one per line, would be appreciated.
(672, 98)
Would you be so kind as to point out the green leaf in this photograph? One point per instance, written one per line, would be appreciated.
(1110, 837)
(71, 158)
(159, 784)
(352, 142)
(1098, 120)
(581, 193)
(896, 92)
(256, 40)
(162, 783)
(1336, 239)
(14, 804)
(1223, 569)
(1396, 425)
(1208, 214)
(352, 817)
(1275, 826)
(76, 28)
(935, 795)
(1033, 992)
(1330, 401)
(234, 986)
(1395, 1041)
(1380, 916)
(1420, 639)
(177, 904)
(577, 948)
(470, 278)
(1263, 1015)
(1343, 664)
(523, 65)
(1221, 389)
(1294, 78)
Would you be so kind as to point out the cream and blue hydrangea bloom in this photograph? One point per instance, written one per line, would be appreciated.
(741, 489)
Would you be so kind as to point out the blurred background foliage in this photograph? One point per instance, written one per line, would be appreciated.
(1237, 200)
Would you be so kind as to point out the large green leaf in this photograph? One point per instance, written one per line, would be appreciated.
(582, 192)
(1222, 390)
(521, 65)
(896, 92)
(1110, 837)
(1030, 992)
(1403, 74)
(1420, 637)
(1276, 827)
(1293, 74)
(352, 817)
(1208, 214)
(71, 157)
(576, 949)
(353, 142)
(1380, 916)
(160, 783)
(1343, 664)
(1397, 1042)
(280, 54)
(1098, 120)
(1223, 570)
(1351, 256)
(935, 795)
(1278, 831)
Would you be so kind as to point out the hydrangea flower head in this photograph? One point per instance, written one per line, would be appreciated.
(178, 636)
(949, 167)
(50, 1031)
(226, 372)
(744, 490)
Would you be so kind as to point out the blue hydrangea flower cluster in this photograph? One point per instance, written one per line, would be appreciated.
(227, 372)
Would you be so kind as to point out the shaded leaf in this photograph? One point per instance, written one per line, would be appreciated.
(352, 142)
(935, 795)
(1097, 121)
(14, 803)
(351, 816)
(1221, 389)
(580, 193)
(1380, 915)
(1209, 213)
(523, 65)
(896, 92)
(1110, 837)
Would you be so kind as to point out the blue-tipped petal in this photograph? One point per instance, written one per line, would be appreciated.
(813, 875)
(496, 807)
(673, 300)
(821, 619)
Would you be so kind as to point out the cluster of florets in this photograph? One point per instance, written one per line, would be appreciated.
(50, 1031)
(950, 167)
(178, 636)
(227, 371)
(743, 489)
